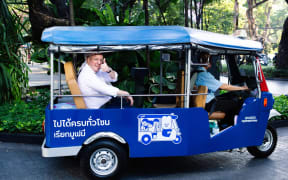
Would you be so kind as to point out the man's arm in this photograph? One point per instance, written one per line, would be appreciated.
(232, 88)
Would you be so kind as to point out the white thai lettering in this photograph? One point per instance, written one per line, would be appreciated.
(90, 122)
(72, 135)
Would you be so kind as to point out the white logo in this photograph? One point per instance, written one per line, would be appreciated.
(158, 127)
(249, 119)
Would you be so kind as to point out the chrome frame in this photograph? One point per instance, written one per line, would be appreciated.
(188, 64)
(187, 79)
(59, 73)
(257, 72)
(51, 80)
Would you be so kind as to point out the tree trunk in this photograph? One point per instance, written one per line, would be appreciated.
(145, 7)
(191, 13)
(199, 12)
(282, 57)
(161, 11)
(196, 14)
(71, 10)
(252, 31)
(236, 15)
(40, 18)
(251, 21)
(186, 13)
(267, 25)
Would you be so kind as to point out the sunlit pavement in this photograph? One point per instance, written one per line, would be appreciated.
(38, 76)
(24, 161)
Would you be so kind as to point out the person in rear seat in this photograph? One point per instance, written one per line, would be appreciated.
(95, 78)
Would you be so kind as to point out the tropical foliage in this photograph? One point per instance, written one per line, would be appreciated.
(13, 71)
(281, 105)
(25, 116)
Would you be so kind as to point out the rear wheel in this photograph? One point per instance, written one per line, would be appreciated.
(103, 159)
(268, 145)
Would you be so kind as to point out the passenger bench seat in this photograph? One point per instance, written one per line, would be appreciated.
(71, 80)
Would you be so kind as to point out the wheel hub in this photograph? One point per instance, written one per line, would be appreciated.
(267, 141)
(103, 161)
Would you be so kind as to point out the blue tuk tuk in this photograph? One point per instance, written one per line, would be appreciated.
(104, 139)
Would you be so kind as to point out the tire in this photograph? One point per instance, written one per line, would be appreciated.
(103, 159)
(268, 145)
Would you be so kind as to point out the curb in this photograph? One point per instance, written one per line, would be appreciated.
(279, 123)
(277, 79)
(22, 138)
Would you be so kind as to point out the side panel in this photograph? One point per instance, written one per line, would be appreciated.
(249, 128)
(172, 132)
(159, 132)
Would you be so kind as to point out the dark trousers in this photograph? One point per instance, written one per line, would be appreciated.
(228, 106)
(116, 103)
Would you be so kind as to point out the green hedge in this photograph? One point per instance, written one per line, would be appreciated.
(281, 105)
(25, 116)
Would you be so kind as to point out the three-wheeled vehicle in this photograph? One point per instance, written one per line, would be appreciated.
(104, 139)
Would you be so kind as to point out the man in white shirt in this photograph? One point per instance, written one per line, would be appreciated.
(95, 79)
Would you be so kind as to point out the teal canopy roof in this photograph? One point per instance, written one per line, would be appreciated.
(143, 35)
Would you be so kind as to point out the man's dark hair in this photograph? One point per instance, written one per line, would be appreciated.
(204, 57)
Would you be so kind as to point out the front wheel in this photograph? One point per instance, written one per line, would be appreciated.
(268, 145)
(103, 159)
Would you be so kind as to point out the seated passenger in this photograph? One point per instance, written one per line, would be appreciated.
(95, 79)
(228, 106)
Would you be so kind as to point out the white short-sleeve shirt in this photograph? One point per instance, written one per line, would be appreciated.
(99, 83)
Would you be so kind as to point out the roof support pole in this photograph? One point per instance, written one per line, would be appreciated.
(187, 78)
(59, 72)
(161, 73)
(51, 79)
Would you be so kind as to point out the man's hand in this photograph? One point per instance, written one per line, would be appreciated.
(245, 88)
(129, 98)
(126, 96)
(104, 67)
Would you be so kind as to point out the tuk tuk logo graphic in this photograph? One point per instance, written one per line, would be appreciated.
(158, 127)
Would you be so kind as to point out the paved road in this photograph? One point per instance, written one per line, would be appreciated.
(24, 161)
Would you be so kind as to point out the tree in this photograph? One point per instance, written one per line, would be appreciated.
(13, 71)
(186, 4)
(236, 15)
(267, 13)
(218, 17)
(71, 11)
(282, 57)
(198, 8)
(252, 31)
(145, 7)
(41, 16)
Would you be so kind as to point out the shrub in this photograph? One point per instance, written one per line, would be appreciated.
(25, 116)
(281, 105)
